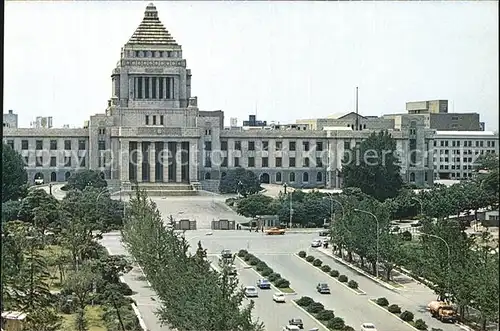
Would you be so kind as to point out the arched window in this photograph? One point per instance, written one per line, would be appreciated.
(207, 175)
(67, 175)
(53, 177)
(278, 176)
(319, 177)
(412, 176)
(305, 177)
(292, 176)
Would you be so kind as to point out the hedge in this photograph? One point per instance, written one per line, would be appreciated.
(325, 268)
(352, 284)
(302, 254)
(336, 323)
(406, 316)
(310, 258)
(343, 278)
(282, 283)
(420, 324)
(325, 315)
(315, 307)
(242, 253)
(304, 301)
(334, 273)
(317, 263)
(273, 277)
(395, 309)
(382, 302)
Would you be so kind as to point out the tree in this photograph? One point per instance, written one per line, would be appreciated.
(81, 180)
(256, 204)
(43, 319)
(250, 183)
(81, 283)
(14, 176)
(374, 167)
(40, 209)
(10, 209)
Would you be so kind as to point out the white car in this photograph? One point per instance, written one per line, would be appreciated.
(279, 297)
(291, 328)
(368, 327)
(39, 181)
(251, 292)
(316, 243)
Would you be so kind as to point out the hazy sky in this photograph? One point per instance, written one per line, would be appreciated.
(283, 60)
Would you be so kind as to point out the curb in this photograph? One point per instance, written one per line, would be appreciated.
(272, 285)
(395, 316)
(334, 278)
(139, 317)
(309, 314)
(384, 284)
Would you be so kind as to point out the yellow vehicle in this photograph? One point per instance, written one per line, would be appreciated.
(442, 311)
(275, 231)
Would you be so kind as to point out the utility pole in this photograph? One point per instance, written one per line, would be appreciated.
(291, 210)
(357, 119)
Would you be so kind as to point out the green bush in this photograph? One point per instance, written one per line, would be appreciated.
(242, 253)
(302, 254)
(382, 302)
(352, 284)
(343, 278)
(325, 315)
(317, 263)
(67, 304)
(420, 325)
(325, 268)
(261, 266)
(248, 257)
(395, 309)
(315, 307)
(336, 323)
(254, 261)
(304, 301)
(406, 316)
(273, 277)
(334, 273)
(125, 289)
(436, 329)
(406, 236)
(310, 258)
(282, 283)
(348, 328)
(266, 272)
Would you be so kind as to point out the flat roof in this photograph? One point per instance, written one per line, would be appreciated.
(466, 133)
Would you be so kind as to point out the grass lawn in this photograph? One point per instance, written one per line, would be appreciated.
(286, 290)
(50, 253)
(93, 315)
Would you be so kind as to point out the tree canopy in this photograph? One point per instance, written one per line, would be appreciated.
(373, 167)
(14, 176)
(82, 179)
(250, 183)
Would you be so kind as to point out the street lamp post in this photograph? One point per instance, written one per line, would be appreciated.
(378, 233)
(448, 282)
(240, 184)
(291, 210)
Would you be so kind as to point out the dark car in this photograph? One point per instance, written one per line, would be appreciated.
(324, 233)
(297, 322)
(263, 284)
(226, 253)
(323, 288)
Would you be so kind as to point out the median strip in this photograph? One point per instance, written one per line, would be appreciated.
(405, 317)
(317, 311)
(352, 285)
(265, 271)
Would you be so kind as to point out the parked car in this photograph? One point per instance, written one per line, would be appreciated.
(264, 284)
(297, 322)
(39, 181)
(324, 233)
(291, 328)
(279, 297)
(226, 253)
(323, 288)
(316, 243)
(368, 327)
(251, 292)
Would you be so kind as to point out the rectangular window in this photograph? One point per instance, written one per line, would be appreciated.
(347, 145)
(305, 162)
(492, 144)
(223, 145)
(278, 162)
(82, 145)
(67, 161)
(319, 162)
(305, 145)
(481, 143)
(26, 161)
(251, 145)
(279, 145)
(39, 145)
(147, 119)
(154, 119)
(291, 162)
(139, 88)
(265, 145)
(53, 145)
(208, 132)
(11, 143)
(458, 143)
(101, 145)
(39, 161)
(208, 145)
(236, 161)
(24, 144)
(224, 162)
(67, 145)
(251, 162)
(319, 146)
(446, 143)
(160, 84)
(146, 88)
(82, 161)
(208, 162)
(153, 87)
(167, 88)
(291, 146)
(53, 161)
(161, 120)
(265, 162)
(237, 145)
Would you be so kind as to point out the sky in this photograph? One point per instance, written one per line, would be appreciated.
(280, 60)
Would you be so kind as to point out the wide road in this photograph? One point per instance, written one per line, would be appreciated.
(354, 309)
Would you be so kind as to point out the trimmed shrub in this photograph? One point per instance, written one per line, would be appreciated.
(247, 257)
(334, 273)
(282, 283)
(310, 258)
(436, 329)
(317, 263)
(304, 301)
(348, 328)
(382, 302)
(254, 261)
(302, 254)
(266, 272)
(325, 315)
(273, 277)
(261, 266)
(343, 278)
(420, 324)
(352, 284)
(395, 309)
(406, 236)
(242, 253)
(325, 268)
(336, 323)
(315, 307)
(406, 316)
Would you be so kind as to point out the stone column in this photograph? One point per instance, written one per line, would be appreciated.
(152, 161)
(139, 161)
(173, 91)
(150, 87)
(143, 87)
(157, 79)
(193, 161)
(124, 160)
(165, 162)
(178, 164)
(136, 89)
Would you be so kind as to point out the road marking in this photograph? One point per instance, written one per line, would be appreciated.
(394, 315)
(310, 315)
(334, 278)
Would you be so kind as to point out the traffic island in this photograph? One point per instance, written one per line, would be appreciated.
(343, 280)
(406, 317)
(325, 317)
(265, 271)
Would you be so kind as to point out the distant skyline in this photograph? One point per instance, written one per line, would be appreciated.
(280, 60)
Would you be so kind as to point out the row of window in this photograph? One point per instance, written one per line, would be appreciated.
(174, 54)
(465, 152)
(153, 88)
(278, 145)
(453, 167)
(466, 143)
(279, 178)
(53, 161)
(278, 161)
(53, 145)
(152, 120)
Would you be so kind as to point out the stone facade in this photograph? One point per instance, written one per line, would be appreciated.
(153, 132)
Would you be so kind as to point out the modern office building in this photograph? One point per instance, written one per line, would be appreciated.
(154, 133)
